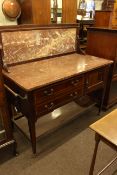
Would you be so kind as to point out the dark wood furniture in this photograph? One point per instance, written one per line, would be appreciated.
(103, 18)
(106, 131)
(6, 136)
(102, 42)
(83, 31)
(108, 4)
(37, 86)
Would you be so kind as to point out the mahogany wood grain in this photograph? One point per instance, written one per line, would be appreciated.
(103, 18)
(102, 42)
(35, 12)
(69, 11)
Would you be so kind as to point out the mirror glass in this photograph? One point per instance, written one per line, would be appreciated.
(86, 9)
(56, 11)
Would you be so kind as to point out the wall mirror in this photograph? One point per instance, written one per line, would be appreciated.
(56, 11)
(86, 9)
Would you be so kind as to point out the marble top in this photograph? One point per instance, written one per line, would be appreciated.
(37, 74)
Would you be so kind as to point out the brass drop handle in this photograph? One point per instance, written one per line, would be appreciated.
(75, 82)
(49, 92)
(74, 94)
(49, 106)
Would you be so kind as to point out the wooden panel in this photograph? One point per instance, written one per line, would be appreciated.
(41, 11)
(69, 11)
(95, 80)
(35, 12)
(103, 18)
(26, 14)
(102, 43)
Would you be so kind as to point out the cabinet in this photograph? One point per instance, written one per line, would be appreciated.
(6, 136)
(102, 42)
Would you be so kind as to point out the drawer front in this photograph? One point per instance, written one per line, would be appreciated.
(53, 91)
(95, 79)
(49, 106)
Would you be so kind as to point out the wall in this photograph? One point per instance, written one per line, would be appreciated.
(3, 19)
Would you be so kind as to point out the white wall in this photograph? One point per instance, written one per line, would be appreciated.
(3, 19)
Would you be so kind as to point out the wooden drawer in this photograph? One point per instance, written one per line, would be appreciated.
(95, 79)
(49, 106)
(53, 91)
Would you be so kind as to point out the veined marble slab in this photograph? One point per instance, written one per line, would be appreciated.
(27, 45)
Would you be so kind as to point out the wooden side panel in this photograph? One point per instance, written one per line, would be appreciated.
(103, 18)
(26, 12)
(69, 11)
(41, 12)
(102, 44)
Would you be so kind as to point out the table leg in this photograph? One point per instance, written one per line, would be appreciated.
(97, 140)
(32, 131)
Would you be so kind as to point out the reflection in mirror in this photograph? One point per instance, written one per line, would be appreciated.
(98, 4)
(2, 130)
(86, 9)
(56, 11)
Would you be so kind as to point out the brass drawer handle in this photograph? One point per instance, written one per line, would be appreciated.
(49, 106)
(75, 82)
(74, 94)
(49, 92)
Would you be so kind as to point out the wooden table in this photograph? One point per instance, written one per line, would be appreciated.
(37, 88)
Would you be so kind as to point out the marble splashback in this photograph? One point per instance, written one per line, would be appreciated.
(27, 45)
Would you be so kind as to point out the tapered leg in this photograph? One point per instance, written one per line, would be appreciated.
(31, 124)
(101, 101)
(97, 140)
(15, 149)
